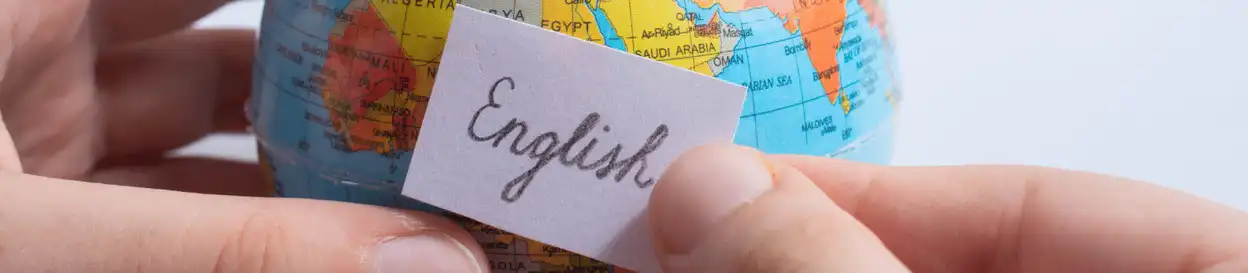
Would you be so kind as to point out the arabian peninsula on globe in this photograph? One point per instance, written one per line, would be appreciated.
(341, 86)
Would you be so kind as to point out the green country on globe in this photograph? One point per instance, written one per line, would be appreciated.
(341, 86)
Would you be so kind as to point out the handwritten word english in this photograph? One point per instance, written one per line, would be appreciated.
(546, 147)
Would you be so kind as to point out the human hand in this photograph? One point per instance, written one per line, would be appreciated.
(101, 91)
(730, 209)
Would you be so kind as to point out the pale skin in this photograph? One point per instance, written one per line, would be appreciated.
(94, 93)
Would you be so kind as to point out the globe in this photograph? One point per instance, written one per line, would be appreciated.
(341, 87)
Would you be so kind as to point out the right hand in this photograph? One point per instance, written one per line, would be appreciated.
(722, 208)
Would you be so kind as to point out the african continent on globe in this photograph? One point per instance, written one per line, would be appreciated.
(341, 86)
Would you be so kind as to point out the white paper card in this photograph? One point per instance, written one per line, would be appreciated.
(558, 139)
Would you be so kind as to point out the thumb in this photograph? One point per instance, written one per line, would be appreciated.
(52, 225)
(723, 208)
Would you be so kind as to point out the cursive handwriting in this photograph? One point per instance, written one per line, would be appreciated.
(546, 147)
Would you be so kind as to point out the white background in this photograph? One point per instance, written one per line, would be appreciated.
(1148, 89)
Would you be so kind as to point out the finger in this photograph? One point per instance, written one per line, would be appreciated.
(198, 175)
(50, 112)
(65, 226)
(723, 208)
(1008, 218)
(165, 93)
(122, 21)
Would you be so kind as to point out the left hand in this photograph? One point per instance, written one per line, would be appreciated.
(101, 90)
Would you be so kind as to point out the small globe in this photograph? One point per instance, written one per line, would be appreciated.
(341, 86)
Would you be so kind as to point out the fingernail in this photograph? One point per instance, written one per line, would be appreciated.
(703, 187)
(433, 252)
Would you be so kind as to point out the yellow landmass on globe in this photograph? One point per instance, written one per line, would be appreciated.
(846, 104)
(571, 17)
(661, 30)
(420, 26)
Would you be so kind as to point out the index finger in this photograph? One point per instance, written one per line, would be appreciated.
(123, 21)
(1014, 218)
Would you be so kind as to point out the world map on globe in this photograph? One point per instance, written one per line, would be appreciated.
(341, 86)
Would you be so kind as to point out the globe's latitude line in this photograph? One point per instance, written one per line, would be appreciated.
(825, 94)
(801, 91)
